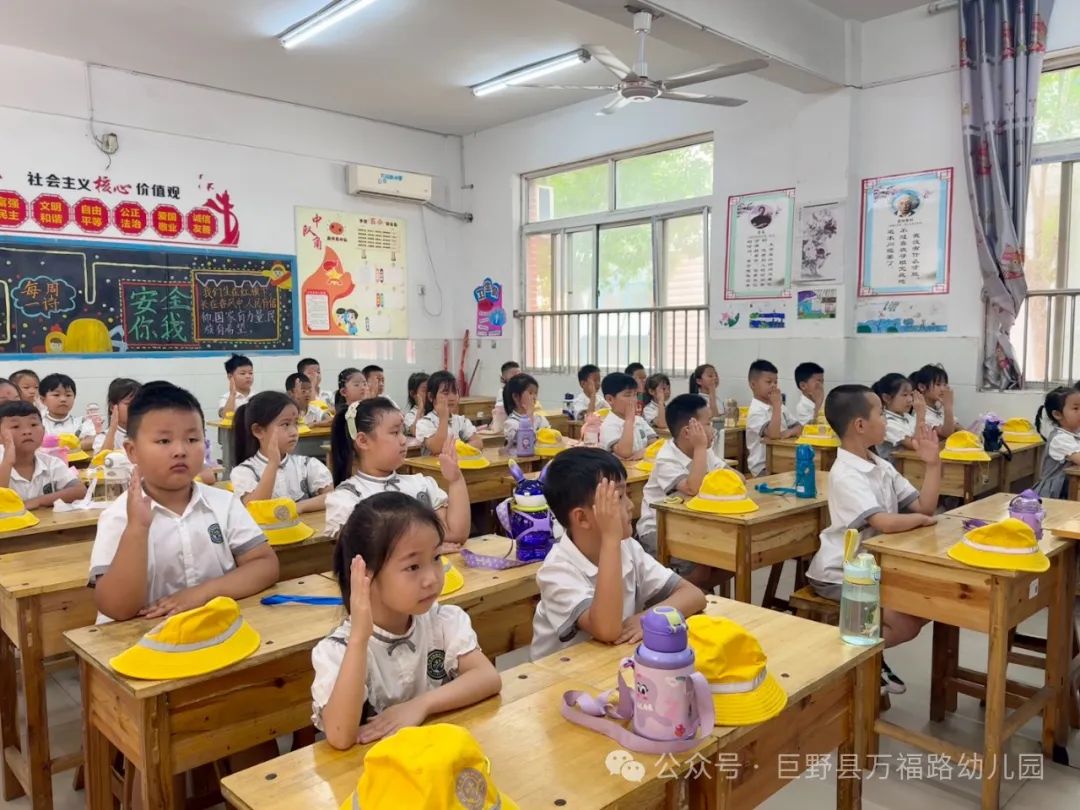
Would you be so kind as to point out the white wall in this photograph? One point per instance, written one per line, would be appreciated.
(272, 156)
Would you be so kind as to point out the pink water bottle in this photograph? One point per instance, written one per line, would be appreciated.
(664, 704)
(50, 445)
(590, 431)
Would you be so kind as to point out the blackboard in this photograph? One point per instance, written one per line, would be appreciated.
(90, 298)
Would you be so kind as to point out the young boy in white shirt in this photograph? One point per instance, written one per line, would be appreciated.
(868, 494)
(168, 545)
(623, 431)
(39, 478)
(597, 581)
(766, 417)
(588, 399)
(810, 380)
(58, 398)
(299, 387)
(241, 374)
(507, 372)
(311, 369)
(376, 382)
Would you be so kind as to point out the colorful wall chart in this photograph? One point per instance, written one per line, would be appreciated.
(490, 315)
(352, 275)
(69, 297)
(759, 234)
(894, 316)
(817, 304)
(905, 239)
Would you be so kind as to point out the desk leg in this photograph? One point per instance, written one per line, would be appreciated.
(866, 709)
(742, 566)
(662, 555)
(9, 726)
(1059, 631)
(156, 778)
(38, 758)
(997, 661)
(939, 673)
(97, 753)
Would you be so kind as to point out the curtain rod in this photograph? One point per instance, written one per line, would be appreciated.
(939, 6)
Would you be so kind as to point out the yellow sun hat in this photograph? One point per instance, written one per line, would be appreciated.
(280, 521)
(1020, 431)
(436, 767)
(964, 446)
(303, 428)
(99, 458)
(452, 578)
(197, 641)
(70, 442)
(722, 492)
(649, 460)
(819, 436)
(227, 420)
(1007, 545)
(13, 512)
(469, 457)
(603, 413)
(549, 442)
(732, 661)
(320, 404)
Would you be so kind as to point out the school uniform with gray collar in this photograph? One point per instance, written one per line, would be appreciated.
(1059, 446)
(298, 477)
(341, 502)
(428, 425)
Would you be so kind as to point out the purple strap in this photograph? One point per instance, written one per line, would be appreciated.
(474, 560)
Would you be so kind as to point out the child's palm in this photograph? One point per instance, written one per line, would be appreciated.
(448, 461)
(360, 599)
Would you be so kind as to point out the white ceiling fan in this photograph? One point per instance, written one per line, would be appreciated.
(635, 85)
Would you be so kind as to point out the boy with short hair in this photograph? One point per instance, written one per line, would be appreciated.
(241, 373)
(623, 431)
(810, 380)
(167, 544)
(507, 372)
(766, 418)
(376, 382)
(932, 381)
(868, 494)
(39, 479)
(58, 399)
(585, 401)
(311, 369)
(597, 581)
(298, 386)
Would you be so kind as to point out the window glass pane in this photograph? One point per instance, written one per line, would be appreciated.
(1056, 117)
(1073, 258)
(684, 285)
(569, 194)
(538, 272)
(580, 295)
(1043, 216)
(626, 282)
(677, 174)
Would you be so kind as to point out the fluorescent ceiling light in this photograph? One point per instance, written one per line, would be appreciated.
(533, 71)
(321, 20)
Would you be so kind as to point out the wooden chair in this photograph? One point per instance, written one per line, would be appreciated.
(808, 605)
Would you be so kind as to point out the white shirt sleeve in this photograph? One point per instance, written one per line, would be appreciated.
(458, 635)
(339, 506)
(438, 497)
(318, 477)
(1062, 445)
(650, 432)
(804, 411)
(111, 525)
(650, 412)
(655, 582)
(464, 427)
(326, 659)
(243, 480)
(410, 420)
(667, 474)
(242, 533)
(896, 430)
(564, 596)
(906, 494)
(426, 427)
(854, 502)
(758, 418)
(86, 429)
(610, 431)
(61, 475)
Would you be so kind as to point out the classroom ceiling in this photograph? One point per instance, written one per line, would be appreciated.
(405, 61)
(864, 10)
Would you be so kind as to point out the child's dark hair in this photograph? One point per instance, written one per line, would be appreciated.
(928, 375)
(587, 371)
(342, 378)
(509, 364)
(51, 382)
(845, 404)
(616, 382)
(19, 408)
(342, 445)
(654, 382)
(262, 409)
(574, 474)
(416, 379)
(120, 389)
(4, 381)
(681, 410)
(293, 379)
(373, 530)
(303, 365)
(1055, 401)
(436, 382)
(633, 368)
(888, 386)
(366, 370)
(699, 372)
(515, 387)
(236, 361)
(804, 371)
(160, 395)
(23, 372)
(759, 367)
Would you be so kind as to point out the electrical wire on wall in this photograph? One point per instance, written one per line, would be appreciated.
(431, 264)
(108, 143)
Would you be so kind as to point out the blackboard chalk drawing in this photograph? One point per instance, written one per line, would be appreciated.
(43, 297)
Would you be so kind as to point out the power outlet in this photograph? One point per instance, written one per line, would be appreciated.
(421, 290)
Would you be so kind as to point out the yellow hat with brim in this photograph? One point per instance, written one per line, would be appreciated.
(70, 442)
(303, 428)
(469, 457)
(13, 512)
(549, 442)
(204, 639)
(436, 767)
(819, 436)
(318, 403)
(99, 458)
(227, 420)
(732, 661)
(964, 446)
(604, 413)
(1020, 431)
(452, 578)
(280, 521)
(1008, 545)
(651, 452)
(722, 492)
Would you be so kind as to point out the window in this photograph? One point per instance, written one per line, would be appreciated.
(615, 266)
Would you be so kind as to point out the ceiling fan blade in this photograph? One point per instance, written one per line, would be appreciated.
(608, 87)
(610, 61)
(697, 98)
(616, 104)
(707, 74)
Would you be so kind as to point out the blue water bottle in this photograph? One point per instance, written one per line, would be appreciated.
(805, 474)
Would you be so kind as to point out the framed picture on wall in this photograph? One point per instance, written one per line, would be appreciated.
(759, 234)
(820, 244)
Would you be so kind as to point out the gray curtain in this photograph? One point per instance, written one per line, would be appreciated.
(1002, 44)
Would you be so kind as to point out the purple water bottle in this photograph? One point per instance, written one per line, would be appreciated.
(526, 437)
(1027, 506)
(665, 703)
(664, 643)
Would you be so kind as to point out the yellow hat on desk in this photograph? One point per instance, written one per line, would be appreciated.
(280, 521)
(819, 436)
(469, 457)
(320, 404)
(197, 641)
(722, 492)
(303, 428)
(1020, 431)
(227, 420)
(549, 442)
(603, 413)
(13, 512)
(964, 446)
(436, 767)
(452, 578)
(649, 460)
(70, 442)
(1008, 545)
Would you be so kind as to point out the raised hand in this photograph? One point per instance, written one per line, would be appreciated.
(776, 398)
(696, 435)
(926, 444)
(138, 502)
(609, 512)
(273, 451)
(9, 445)
(362, 625)
(442, 405)
(919, 402)
(448, 461)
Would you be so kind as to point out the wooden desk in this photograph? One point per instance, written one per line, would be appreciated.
(783, 528)
(473, 407)
(559, 421)
(780, 456)
(53, 529)
(492, 439)
(919, 578)
(960, 479)
(735, 444)
(310, 444)
(1072, 474)
(1059, 513)
(1023, 469)
(491, 483)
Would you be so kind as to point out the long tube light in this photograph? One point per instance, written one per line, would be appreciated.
(321, 20)
(533, 71)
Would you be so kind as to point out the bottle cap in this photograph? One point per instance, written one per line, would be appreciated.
(663, 629)
(863, 570)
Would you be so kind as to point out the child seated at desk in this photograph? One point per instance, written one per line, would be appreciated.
(705, 382)
(28, 383)
(39, 478)
(376, 381)
(441, 421)
(507, 372)
(351, 387)
(9, 392)
(371, 435)
(58, 397)
(167, 544)
(311, 369)
(810, 380)
(905, 414)
(657, 394)
(868, 494)
(931, 382)
(597, 581)
(623, 432)
(399, 657)
(1062, 408)
(265, 436)
(417, 396)
(588, 399)
(766, 418)
(241, 374)
(638, 372)
(299, 388)
(519, 400)
(121, 391)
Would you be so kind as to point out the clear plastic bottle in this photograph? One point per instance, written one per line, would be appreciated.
(860, 602)
(590, 431)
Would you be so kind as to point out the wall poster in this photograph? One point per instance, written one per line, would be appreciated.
(894, 316)
(817, 304)
(821, 238)
(490, 315)
(759, 233)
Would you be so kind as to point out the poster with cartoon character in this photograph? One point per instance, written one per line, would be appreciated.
(490, 315)
(759, 235)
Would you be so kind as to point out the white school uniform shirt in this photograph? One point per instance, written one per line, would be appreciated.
(650, 412)
(411, 417)
(50, 475)
(399, 668)
(758, 417)
(612, 427)
(314, 415)
(118, 441)
(671, 468)
(241, 399)
(1062, 444)
(567, 582)
(858, 489)
(183, 550)
(935, 417)
(69, 424)
(428, 425)
(513, 422)
(580, 405)
(898, 426)
(341, 502)
(298, 477)
(804, 411)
